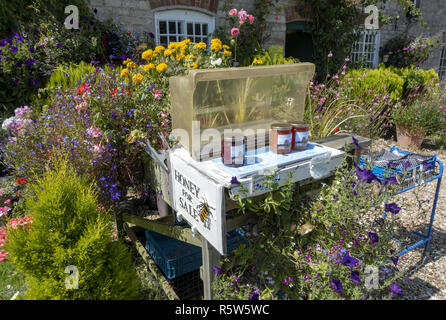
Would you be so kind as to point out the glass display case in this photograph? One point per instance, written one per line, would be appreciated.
(205, 103)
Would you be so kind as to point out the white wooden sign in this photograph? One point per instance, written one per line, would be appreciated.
(198, 200)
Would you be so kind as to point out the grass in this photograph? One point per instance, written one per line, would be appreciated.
(11, 281)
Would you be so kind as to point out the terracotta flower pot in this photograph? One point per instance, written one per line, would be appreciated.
(408, 138)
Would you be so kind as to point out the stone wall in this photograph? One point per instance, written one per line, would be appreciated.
(434, 14)
(138, 15)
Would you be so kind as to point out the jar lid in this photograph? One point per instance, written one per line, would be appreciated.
(281, 126)
(235, 137)
(299, 124)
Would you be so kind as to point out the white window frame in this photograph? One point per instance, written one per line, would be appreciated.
(442, 67)
(366, 49)
(183, 16)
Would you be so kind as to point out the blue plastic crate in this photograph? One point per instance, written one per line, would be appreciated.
(176, 258)
(384, 172)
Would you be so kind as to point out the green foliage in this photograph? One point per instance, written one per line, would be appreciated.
(11, 281)
(303, 239)
(68, 228)
(423, 114)
(274, 55)
(403, 51)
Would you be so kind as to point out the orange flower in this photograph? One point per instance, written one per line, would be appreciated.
(21, 181)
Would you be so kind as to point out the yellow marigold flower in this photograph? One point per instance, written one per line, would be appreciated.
(127, 61)
(186, 41)
(216, 40)
(147, 55)
(132, 65)
(227, 53)
(138, 78)
(173, 46)
(225, 46)
(158, 49)
(167, 53)
(192, 65)
(200, 46)
(257, 61)
(189, 56)
(216, 44)
(180, 57)
(150, 66)
(161, 67)
(125, 72)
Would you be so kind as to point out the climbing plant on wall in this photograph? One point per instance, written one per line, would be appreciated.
(334, 28)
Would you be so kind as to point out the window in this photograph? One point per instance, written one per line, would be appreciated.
(365, 51)
(178, 25)
(416, 4)
(442, 68)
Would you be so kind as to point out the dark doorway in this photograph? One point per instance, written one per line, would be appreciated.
(298, 41)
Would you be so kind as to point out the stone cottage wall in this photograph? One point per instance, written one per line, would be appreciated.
(434, 13)
(138, 15)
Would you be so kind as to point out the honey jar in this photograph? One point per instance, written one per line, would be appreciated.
(280, 138)
(300, 131)
(233, 150)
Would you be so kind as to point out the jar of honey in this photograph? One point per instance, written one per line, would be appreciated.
(233, 150)
(301, 133)
(280, 138)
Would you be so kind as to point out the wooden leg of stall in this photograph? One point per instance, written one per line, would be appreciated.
(211, 258)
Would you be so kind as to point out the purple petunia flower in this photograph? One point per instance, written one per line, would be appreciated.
(234, 180)
(29, 62)
(336, 285)
(355, 277)
(391, 180)
(395, 260)
(217, 271)
(151, 35)
(349, 261)
(396, 289)
(366, 175)
(373, 237)
(406, 165)
(391, 207)
(254, 295)
(356, 143)
(427, 166)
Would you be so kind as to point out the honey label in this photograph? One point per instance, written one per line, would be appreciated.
(284, 141)
(301, 139)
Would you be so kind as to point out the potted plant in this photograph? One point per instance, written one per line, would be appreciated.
(416, 120)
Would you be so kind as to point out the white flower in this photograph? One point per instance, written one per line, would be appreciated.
(7, 122)
(216, 62)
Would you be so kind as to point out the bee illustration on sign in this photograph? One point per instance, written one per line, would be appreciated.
(205, 209)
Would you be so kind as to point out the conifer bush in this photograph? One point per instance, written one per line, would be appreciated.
(69, 229)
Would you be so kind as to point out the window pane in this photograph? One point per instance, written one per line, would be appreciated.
(172, 27)
(179, 27)
(190, 29)
(163, 40)
(197, 29)
(163, 27)
(205, 29)
(205, 40)
(172, 38)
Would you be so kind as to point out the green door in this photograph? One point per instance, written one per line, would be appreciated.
(298, 41)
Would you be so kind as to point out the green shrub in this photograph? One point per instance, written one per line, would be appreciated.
(274, 55)
(69, 229)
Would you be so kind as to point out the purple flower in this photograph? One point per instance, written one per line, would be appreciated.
(234, 180)
(355, 277)
(59, 46)
(13, 49)
(95, 11)
(29, 62)
(217, 271)
(366, 175)
(31, 50)
(373, 237)
(335, 199)
(122, 57)
(427, 166)
(395, 289)
(391, 207)
(349, 261)
(406, 165)
(356, 143)
(151, 35)
(391, 180)
(391, 164)
(336, 285)
(395, 260)
(254, 295)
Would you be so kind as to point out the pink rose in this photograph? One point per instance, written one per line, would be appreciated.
(8, 202)
(232, 12)
(276, 17)
(242, 16)
(251, 18)
(235, 32)
(158, 94)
